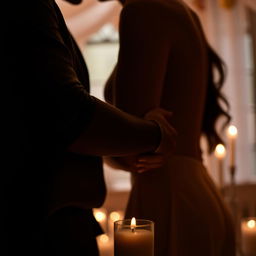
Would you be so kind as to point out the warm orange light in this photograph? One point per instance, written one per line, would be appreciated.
(232, 131)
(133, 223)
(227, 4)
(251, 224)
(114, 216)
(220, 151)
(104, 238)
(100, 216)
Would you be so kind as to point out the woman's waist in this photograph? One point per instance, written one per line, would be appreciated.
(188, 149)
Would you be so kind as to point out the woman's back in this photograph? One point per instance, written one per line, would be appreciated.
(186, 79)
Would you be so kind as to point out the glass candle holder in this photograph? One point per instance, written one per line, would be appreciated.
(248, 236)
(133, 237)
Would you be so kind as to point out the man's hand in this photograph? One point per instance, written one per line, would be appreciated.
(152, 160)
(168, 133)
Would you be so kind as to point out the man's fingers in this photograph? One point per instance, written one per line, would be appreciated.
(149, 166)
(159, 113)
(146, 169)
(157, 158)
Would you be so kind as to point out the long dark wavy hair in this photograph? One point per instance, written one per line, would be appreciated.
(216, 103)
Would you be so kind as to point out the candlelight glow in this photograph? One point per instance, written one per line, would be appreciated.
(251, 224)
(104, 238)
(232, 131)
(133, 223)
(220, 151)
(114, 216)
(100, 216)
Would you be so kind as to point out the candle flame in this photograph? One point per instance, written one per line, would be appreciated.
(251, 224)
(232, 131)
(133, 223)
(220, 151)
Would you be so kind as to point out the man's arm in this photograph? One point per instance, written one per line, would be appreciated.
(115, 133)
(64, 109)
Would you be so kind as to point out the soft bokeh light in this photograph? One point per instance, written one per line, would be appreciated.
(232, 131)
(251, 224)
(104, 238)
(114, 216)
(220, 151)
(100, 216)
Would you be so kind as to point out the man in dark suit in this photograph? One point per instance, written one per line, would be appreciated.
(58, 133)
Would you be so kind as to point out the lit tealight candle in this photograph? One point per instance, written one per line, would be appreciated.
(114, 216)
(134, 238)
(105, 245)
(220, 153)
(101, 216)
(232, 135)
(248, 236)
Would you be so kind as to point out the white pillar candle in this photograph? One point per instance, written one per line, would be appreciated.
(131, 238)
(232, 135)
(220, 153)
(248, 236)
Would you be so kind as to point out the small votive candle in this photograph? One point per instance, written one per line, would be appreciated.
(248, 236)
(100, 215)
(105, 245)
(133, 237)
(114, 216)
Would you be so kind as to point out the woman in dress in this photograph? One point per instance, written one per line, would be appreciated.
(165, 61)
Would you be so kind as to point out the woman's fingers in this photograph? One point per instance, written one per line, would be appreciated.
(149, 162)
(148, 168)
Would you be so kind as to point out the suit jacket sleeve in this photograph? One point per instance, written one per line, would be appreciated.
(55, 101)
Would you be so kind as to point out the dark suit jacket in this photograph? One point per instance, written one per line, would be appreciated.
(48, 107)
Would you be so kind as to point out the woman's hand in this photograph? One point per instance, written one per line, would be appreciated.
(136, 164)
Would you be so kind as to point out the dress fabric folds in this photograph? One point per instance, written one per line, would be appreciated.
(190, 215)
